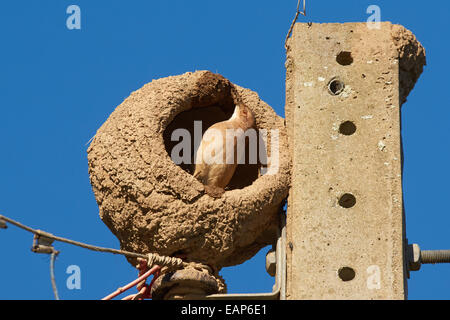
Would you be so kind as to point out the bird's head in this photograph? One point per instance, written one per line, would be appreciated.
(244, 114)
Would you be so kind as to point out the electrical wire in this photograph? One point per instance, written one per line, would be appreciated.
(52, 274)
(153, 262)
(72, 242)
(298, 12)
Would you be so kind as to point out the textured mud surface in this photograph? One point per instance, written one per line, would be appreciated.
(153, 205)
(412, 59)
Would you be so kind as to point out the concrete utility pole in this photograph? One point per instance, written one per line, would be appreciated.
(345, 221)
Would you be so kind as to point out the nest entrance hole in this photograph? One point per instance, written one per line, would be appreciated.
(245, 173)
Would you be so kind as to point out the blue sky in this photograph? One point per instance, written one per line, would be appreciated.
(57, 87)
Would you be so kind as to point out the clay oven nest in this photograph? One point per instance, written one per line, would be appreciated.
(153, 205)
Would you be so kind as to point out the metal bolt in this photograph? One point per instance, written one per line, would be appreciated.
(435, 256)
(271, 263)
(417, 257)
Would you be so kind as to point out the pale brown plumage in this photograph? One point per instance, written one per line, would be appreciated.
(216, 176)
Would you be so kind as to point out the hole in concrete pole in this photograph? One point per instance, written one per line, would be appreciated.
(347, 200)
(344, 58)
(336, 87)
(346, 274)
(347, 128)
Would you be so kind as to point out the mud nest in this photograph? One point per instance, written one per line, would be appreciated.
(153, 205)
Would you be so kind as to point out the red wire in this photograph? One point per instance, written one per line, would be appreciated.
(144, 290)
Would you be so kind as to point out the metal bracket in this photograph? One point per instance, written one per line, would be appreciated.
(279, 289)
(42, 244)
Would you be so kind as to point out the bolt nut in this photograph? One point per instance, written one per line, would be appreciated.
(271, 263)
(414, 257)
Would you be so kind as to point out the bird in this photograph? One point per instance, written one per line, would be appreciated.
(214, 163)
